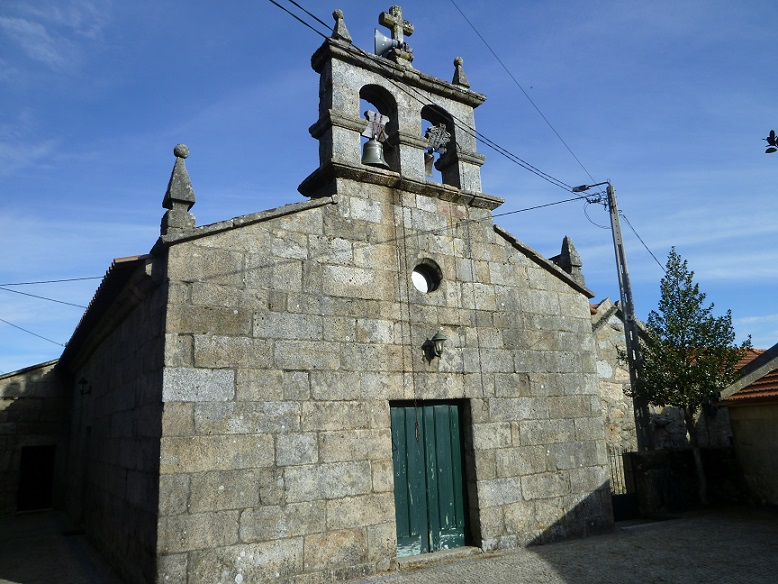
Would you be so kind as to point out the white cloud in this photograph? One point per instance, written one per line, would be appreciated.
(37, 43)
(83, 18)
(15, 155)
(53, 33)
(762, 328)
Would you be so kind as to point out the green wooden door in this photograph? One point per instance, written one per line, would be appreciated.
(428, 480)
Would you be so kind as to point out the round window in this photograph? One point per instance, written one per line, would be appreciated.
(426, 277)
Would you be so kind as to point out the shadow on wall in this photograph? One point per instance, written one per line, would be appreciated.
(113, 469)
(713, 428)
(592, 516)
(666, 480)
(34, 412)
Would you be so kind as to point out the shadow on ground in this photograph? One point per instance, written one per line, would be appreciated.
(43, 548)
(722, 546)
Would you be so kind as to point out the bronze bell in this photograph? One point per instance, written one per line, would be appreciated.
(373, 154)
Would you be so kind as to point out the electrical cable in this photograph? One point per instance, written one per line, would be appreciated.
(316, 18)
(424, 101)
(532, 208)
(31, 333)
(42, 297)
(297, 18)
(590, 220)
(545, 119)
(658, 263)
(54, 281)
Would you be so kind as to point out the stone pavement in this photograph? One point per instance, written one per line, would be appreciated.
(40, 548)
(722, 546)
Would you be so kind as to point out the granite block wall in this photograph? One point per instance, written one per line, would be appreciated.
(289, 337)
(113, 473)
(34, 410)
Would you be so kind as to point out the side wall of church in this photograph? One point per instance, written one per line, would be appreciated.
(113, 464)
(288, 339)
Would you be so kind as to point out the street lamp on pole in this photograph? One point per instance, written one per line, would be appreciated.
(639, 404)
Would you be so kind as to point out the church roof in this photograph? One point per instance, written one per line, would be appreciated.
(116, 279)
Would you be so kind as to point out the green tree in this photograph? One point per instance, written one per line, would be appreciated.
(688, 355)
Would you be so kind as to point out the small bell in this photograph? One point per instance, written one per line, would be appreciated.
(429, 160)
(373, 154)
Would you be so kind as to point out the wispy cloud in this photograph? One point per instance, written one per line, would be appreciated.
(15, 156)
(83, 18)
(33, 38)
(763, 329)
(52, 33)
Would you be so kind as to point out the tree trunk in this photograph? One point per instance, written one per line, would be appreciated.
(702, 483)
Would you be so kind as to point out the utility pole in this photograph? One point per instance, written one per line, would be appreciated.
(639, 404)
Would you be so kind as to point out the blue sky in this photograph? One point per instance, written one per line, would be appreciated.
(669, 100)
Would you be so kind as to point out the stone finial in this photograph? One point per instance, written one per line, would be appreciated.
(179, 197)
(570, 261)
(340, 32)
(402, 53)
(459, 74)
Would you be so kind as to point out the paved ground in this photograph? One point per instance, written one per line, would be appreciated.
(724, 546)
(40, 548)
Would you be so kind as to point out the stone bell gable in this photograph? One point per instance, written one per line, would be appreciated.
(330, 386)
(406, 97)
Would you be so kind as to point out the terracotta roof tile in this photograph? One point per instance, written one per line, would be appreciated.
(763, 389)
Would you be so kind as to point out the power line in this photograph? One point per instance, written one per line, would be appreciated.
(31, 333)
(424, 101)
(534, 207)
(319, 20)
(658, 263)
(297, 18)
(42, 297)
(54, 281)
(589, 219)
(545, 119)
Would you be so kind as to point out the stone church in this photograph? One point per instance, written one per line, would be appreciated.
(314, 392)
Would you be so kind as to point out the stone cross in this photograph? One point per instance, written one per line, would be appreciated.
(393, 20)
(376, 126)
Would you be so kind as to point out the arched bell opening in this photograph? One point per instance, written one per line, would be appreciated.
(379, 108)
(439, 130)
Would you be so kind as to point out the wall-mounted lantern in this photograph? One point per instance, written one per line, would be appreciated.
(434, 347)
(83, 387)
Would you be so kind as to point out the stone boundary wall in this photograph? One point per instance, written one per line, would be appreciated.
(756, 445)
(667, 424)
(34, 408)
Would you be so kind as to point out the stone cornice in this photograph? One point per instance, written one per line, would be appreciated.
(336, 118)
(543, 262)
(321, 183)
(334, 49)
(243, 220)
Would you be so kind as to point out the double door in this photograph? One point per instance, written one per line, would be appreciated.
(428, 477)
